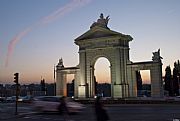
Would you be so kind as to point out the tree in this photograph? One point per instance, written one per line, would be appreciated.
(178, 67)
(175, 82)
(139, 83)
(43, 87)
(139, 80)
(176, 72)
(167, 80)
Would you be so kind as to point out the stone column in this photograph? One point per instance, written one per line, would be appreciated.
(91, 82)
(133, 84)
(156, 80)
(126, 59)
(61, 87)
(117, 74)
(77, 82)
(82, 74)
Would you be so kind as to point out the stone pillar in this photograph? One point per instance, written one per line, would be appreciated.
(131, 79)
(77, 82)
(123, 72)
(126, 59)
(58, 82)
(91, 82)
(90, 76)
(156, 80)
(82, 74)
(134, 84)
(117, 74)
(114, 90)
(117, 91)
(61, 87)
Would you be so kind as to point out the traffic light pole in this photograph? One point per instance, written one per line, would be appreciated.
(16, 80)
(16, 99)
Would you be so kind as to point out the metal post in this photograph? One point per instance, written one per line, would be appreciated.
(178, 85)
(54, 88)
(54, 81)
(16, 80)
(16, 99)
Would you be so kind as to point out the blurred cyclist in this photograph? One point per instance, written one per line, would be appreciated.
(63, 108)
(101, 114)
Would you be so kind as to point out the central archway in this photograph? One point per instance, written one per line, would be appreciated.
(101, 42)
(102, 77)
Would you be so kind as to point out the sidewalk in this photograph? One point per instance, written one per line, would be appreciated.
(6, 115)
(7, 111)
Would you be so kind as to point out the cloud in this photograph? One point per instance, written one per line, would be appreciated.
(64, 10)
(171, 11)
(50, 18)
(13, 42)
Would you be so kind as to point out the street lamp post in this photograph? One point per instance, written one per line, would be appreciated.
(54, 81)
(178, 84)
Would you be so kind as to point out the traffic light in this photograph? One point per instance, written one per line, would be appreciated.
(16, 78)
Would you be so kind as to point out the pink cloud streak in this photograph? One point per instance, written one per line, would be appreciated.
(55, 15)
(13, 43)
(64, 10)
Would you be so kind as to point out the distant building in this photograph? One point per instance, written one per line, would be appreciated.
(9, 90)
(104, 90)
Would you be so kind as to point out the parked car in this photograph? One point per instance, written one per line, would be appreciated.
(27, 99)
(2, 99)
(51, 103)
(11, 99)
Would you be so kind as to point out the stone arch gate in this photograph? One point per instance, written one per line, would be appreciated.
(100, 41)
(155, 68)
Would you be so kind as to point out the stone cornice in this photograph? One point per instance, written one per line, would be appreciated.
(106, 33)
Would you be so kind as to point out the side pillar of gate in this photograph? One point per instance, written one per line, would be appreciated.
(156, 76)
(61, 87)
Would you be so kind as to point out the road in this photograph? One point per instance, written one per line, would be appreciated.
(116, 112)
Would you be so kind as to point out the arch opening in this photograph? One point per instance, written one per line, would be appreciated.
(143, 83)
(102, 77)
(70, 85)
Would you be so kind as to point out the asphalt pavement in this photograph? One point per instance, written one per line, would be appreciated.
(116, 112)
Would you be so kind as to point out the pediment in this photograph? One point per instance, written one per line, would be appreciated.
(98, 32)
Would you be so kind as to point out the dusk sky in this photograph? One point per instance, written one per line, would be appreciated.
(35, 34)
